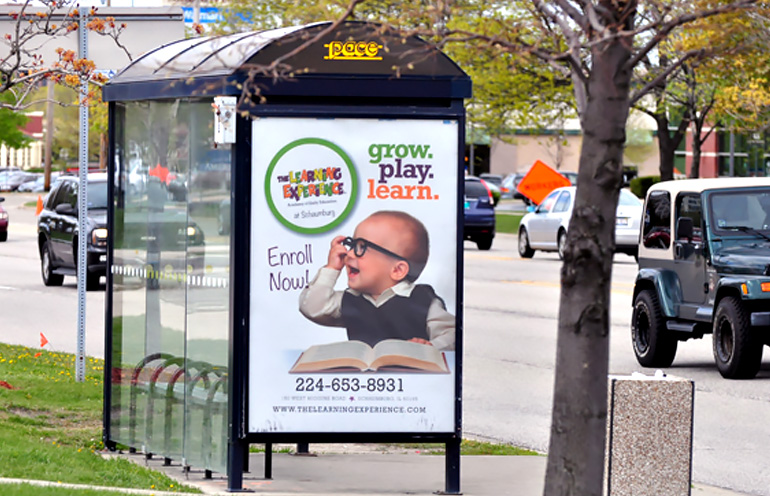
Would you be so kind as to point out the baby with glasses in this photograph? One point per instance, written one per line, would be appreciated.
(383, 259)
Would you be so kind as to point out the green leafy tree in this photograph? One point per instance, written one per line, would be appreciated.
(707, 73)
(11, 125)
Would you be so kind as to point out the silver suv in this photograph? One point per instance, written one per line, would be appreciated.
(704, 268)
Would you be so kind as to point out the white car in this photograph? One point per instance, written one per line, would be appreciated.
(546, 227)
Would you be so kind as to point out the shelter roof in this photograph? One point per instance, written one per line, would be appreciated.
(353, 58)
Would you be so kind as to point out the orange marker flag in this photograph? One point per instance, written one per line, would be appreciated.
(43, 340)
(39, 205)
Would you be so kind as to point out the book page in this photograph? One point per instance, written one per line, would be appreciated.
(396, 352)
(355, 354)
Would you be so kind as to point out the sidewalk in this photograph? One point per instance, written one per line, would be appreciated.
(369, 474)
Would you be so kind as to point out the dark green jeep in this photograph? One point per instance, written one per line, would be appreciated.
(704, 267)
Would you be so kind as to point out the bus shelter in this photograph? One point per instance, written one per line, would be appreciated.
(286, 245)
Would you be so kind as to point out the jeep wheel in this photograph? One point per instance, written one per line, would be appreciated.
(561, 243)
(654, 346)
(525, 251)
(737, 347)
(46, 268)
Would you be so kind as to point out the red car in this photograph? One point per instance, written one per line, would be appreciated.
(3, 222)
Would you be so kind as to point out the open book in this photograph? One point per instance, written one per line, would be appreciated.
(359, 356)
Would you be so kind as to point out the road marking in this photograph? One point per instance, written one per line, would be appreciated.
(547, 284)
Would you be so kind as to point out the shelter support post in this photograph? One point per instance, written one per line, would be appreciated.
(235, 466)
(268, 461)
(452, 460)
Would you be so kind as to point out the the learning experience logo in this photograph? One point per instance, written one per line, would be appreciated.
(311, 185)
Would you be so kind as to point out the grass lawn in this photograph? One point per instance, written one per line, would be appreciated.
(507, 222)
(470, 448)
(30, 490)
(51, 426)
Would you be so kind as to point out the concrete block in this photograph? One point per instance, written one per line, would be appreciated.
(649, 436)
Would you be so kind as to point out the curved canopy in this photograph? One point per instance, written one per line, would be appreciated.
(354, 59)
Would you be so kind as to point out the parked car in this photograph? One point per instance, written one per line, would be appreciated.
(495, 179)
(3, 222)
(479, 225)
(572, 176)
(545, 228)
(10, 180)
(494, 182)
(38, 185)
(511, 183)
(57, 227)
(704, 267)
(508, 188)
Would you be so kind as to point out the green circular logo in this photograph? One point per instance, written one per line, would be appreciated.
(311, 185)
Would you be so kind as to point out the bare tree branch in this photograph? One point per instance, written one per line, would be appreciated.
(663, 76)
(572, 12)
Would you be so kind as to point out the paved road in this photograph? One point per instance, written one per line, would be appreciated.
(510, 342)
(29, 307)
(511, 309)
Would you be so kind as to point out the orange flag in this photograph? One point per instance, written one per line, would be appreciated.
(39, 205)
(43, 340)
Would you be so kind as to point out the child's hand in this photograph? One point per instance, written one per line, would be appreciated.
(421, 341)
(337, 254)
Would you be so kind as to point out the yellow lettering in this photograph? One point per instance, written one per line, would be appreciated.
(353, 50)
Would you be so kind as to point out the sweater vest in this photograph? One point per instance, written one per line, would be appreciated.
(399, 318)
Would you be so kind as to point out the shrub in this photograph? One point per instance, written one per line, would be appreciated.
(640, 185)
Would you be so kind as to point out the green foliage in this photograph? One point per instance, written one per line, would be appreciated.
(507, 222)
(11, 124)
(640, 185)
(66, 124)
(50, 425)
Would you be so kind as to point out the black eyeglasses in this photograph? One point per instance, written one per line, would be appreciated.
(360, 245)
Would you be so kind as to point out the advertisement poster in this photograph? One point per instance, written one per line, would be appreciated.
(353, 275)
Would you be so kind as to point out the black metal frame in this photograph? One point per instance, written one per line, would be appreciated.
(239, 304)
(240, 257)
(107, 385)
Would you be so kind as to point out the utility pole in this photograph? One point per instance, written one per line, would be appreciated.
(82, 255)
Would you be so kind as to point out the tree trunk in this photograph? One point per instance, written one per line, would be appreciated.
(666, 151)
(578, 428)
(696, 151)
(103, 150)
(667, 145)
